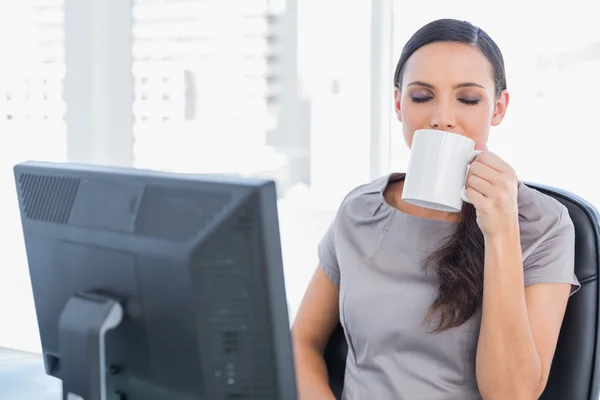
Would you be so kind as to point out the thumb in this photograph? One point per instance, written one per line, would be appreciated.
(480, 145)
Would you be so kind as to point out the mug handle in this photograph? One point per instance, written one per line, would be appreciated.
(463, 193)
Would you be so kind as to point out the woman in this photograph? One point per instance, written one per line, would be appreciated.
(439, 305)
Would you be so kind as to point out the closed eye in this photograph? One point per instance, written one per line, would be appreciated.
(421, 99)
(469, 102)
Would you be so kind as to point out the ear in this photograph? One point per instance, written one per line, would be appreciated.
(500, 109)
(398, 103)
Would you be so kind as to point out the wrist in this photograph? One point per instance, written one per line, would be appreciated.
(508, 235)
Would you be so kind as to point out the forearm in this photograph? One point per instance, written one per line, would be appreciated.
(508, 364)
(311, 374)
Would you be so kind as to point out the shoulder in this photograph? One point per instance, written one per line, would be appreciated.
(542, 218)
(539, 210)
(362, 213)
(366, 199)
(547, 239)
(360, 220)
(371, 187)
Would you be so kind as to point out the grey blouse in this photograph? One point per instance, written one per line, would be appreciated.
(375, 254)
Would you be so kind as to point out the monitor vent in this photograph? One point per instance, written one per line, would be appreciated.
(236, 337)
(230, 342)
(178, 214)
(47, 198)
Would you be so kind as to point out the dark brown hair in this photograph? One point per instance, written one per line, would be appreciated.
(459, 261)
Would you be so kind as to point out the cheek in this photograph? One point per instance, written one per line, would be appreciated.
(414, 115)
(413, 118)
(407, 126)
(476, 121)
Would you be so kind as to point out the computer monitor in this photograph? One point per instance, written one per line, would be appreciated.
(154, 285)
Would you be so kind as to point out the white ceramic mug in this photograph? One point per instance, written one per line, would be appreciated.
(437, 170)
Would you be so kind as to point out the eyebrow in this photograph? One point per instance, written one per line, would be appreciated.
(460, 85)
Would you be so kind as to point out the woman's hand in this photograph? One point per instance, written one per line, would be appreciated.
(492, 188)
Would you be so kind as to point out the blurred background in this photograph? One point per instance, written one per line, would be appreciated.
(298, 91)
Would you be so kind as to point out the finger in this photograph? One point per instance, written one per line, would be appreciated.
(493, 161)
(476, 198)
(481, 185)
(485, 172)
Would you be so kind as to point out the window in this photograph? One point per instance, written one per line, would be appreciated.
(275, 93)
(32, 126)
(256, 88)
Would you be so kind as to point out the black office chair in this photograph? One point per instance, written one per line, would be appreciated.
(574, 373)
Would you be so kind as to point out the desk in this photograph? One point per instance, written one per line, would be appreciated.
(23, 377)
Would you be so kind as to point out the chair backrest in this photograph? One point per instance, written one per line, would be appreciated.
(574, 373)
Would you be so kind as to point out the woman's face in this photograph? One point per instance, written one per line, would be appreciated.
(449, 86)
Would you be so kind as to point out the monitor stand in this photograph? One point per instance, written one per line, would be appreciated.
(82, 328)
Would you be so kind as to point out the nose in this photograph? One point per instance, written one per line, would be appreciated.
(443, 117)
